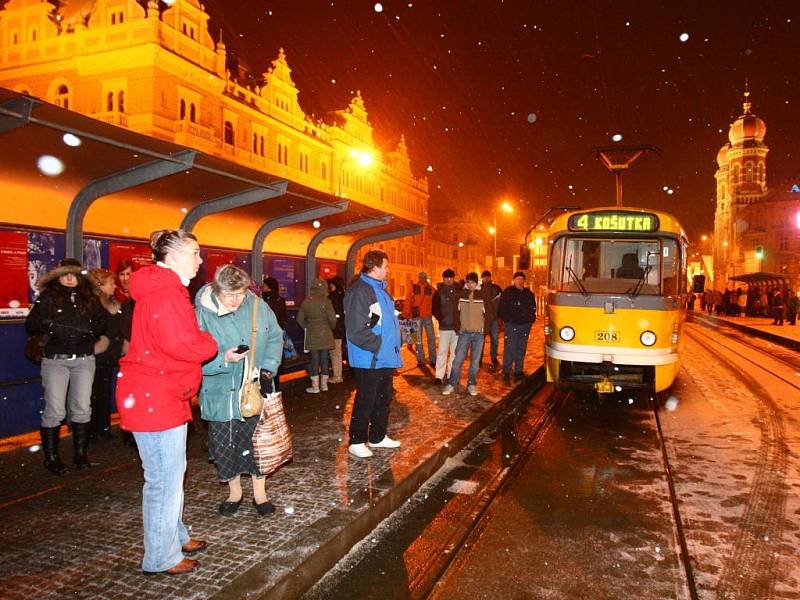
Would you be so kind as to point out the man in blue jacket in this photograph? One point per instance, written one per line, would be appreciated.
(373, 347)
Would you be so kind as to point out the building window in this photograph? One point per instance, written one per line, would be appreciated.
(783, 244)
(228, 133)
(110, 102)
(255, 143)
(121, 17)
(62, 96)
(185, 32)
(113, 18)
(261, 149)
(324, 170)
(748, 172)
(121, 102)
(280, 153)
(182, 110)
(33, 35)
(193, 113)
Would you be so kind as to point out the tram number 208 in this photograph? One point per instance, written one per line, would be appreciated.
(606, 336)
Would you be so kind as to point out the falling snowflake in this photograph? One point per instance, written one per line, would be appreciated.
(289, 510)
(531, 117)
(34, 448)
(684, 37)
(617, 137)
(378, 7)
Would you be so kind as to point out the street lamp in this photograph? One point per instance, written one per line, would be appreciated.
(362, 157)
(506, 208)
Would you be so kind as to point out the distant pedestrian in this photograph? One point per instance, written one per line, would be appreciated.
(708, 298)
(793, 305)
(741, 298)
(719, 302)
(518, 310)
(373, 349)
(71, 316)
(492, 323)
(419, 306)
(107, 355)
(158, 379)
(271, 294)
(225, 309)
(336, 295)
(470, 318)
(778, 308)
(445, 302)
(318, 318)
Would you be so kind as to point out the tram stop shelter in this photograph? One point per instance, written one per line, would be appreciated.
(763, 280)
(64, 170)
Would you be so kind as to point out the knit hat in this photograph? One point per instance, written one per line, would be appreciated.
(519, 274)
(448, 273)
(472, 276)
(422, 275)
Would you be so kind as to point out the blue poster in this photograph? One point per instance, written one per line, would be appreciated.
(44, 252)
(283, 271)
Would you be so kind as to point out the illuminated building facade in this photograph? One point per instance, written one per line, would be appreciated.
(156, 70)
(755, 228)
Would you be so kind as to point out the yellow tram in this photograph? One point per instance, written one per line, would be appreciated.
(616, 299)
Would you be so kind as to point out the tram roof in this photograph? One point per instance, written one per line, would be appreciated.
(187, 180)
(667, 223)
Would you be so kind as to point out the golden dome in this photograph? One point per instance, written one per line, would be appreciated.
(747, 127)
(722, 155)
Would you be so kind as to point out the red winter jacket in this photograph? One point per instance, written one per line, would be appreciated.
(161, 371)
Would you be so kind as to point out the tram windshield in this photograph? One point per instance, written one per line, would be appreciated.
(608, 266)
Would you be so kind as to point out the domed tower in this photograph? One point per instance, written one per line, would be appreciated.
(747, 156)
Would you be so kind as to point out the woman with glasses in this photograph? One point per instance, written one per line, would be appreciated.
(225, 308)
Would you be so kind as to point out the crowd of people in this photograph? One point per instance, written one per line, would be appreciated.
(141, 330)
(781, 305)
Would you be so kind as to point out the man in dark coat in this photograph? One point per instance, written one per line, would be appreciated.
(492, 324)
(518, 310)
(445, 306)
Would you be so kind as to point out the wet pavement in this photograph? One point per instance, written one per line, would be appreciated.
(80, 534)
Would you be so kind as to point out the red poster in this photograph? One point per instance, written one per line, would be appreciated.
(214, 259)
(14, 267)
(326, 269)
(137, 252)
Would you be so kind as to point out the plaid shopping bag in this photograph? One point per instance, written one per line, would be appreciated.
(272, 439)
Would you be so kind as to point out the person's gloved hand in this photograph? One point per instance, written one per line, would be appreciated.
(265, 382)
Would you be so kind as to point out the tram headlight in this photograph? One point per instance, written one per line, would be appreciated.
(567, 333)
(648, 338)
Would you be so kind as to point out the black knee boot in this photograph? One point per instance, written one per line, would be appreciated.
(52, 461)
(80, 439)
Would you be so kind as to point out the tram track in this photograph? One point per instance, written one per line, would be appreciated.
(751, 568)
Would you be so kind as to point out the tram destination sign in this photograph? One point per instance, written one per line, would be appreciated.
(613, 220)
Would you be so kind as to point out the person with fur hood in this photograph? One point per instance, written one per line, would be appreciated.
(318, 317)
(74, 321)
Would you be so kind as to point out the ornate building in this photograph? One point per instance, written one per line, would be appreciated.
(756, 229)
(156, 70)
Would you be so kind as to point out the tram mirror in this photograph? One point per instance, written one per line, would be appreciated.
(524, 257)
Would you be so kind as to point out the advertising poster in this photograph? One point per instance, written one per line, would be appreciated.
(283, 271)
(93, 254)
(137, 252)
(327, 269)
(14, 266)
(44, 252)
(214, 259)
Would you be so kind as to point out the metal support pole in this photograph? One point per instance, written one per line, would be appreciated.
(311, 260)
(231, 201)
(302, 216)
(116, 182)
(350, 269)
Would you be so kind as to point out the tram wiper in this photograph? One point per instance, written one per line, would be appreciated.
(637, 289)
(578, 282)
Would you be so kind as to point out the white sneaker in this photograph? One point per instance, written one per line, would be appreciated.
(473, 390)
(448, 389)
(359, 450)
(386, 442)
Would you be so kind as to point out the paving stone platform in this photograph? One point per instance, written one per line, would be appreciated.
(80, 535)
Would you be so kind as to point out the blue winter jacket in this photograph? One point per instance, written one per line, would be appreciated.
(373, 333)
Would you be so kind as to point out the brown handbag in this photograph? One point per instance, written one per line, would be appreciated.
(251, 401)
(272, 438)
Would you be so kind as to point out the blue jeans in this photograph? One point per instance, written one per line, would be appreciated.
(515, 344)
(426, 325)
(163, 455)
(494, 335)
(472, 341)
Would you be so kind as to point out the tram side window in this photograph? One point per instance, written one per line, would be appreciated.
(556, 263)
(670, 272)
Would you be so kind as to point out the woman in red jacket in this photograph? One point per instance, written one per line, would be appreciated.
(157, 379)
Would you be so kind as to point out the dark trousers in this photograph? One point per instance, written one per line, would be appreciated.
(515, 344)
(101, 401)
(371, 407)
(319, 363)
